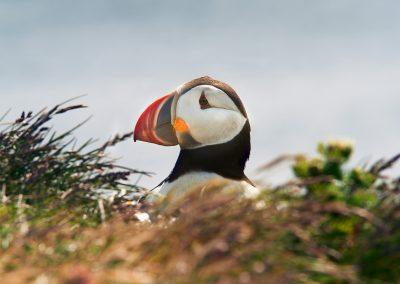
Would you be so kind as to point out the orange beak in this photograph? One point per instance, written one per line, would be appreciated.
(155, 123)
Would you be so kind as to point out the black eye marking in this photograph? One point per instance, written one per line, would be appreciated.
(204, 104)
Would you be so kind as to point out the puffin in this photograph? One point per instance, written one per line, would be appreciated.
(208, 121)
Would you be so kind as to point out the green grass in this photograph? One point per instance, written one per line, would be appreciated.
(331, 224)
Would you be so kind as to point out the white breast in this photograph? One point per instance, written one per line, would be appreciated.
(194, 180)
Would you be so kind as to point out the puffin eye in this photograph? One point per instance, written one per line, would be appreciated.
(204, 104)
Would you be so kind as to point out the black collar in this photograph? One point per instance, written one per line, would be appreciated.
(227, 160)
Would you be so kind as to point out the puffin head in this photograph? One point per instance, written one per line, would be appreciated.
(200, 113)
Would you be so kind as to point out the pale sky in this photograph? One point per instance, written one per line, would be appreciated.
(305, 70)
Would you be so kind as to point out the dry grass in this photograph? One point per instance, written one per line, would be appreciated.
(204, 237)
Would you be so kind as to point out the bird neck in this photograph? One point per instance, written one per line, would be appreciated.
(227, 160)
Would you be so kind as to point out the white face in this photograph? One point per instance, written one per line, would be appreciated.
(210, 114)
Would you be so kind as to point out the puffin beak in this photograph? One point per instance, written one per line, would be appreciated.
(154, 124)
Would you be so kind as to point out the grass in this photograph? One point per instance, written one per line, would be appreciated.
(330, 224)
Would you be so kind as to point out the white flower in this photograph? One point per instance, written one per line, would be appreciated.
(341, 143)
(142, 217)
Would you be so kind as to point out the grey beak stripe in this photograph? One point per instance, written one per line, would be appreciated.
(163, 128)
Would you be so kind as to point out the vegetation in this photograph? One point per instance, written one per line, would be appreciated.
(69, 214)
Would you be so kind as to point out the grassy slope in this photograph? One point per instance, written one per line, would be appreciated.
(327, 225)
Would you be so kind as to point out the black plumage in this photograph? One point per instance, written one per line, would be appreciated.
(227, 159)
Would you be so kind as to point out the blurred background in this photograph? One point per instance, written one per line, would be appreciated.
(305, 70)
